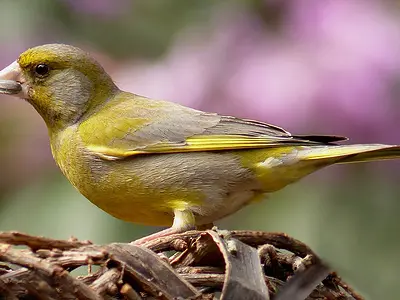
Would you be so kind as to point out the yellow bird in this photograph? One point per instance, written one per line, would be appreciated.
(160, 163)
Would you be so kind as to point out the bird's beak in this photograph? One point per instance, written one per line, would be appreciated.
(12, 81)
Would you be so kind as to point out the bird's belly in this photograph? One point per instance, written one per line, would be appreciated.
(157, 208)
(113, 189)
(132, 207)
(147, 189)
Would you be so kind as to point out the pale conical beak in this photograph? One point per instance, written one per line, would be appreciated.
(11, 80)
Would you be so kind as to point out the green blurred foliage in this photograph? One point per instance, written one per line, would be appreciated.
(144, 29)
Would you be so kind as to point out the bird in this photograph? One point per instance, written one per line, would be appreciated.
(157, 162)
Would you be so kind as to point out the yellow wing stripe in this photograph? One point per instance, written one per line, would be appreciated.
(193, 144)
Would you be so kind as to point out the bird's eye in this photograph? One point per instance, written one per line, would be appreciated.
(42, 69)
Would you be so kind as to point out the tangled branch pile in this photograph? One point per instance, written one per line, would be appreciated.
(233, 265)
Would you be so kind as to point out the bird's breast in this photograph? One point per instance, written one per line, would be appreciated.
(72, 159)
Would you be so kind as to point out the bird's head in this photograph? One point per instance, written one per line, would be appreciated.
(62, 82)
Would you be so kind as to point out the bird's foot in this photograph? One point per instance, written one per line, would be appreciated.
(183, 221)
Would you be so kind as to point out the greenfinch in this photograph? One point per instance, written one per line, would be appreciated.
(156, 162)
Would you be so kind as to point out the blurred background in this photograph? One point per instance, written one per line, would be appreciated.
(310, 66)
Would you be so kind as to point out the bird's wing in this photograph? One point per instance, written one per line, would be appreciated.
(125, 127)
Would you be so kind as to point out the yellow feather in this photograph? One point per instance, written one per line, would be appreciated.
(192, 144)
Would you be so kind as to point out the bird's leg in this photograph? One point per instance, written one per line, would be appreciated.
(183, 221)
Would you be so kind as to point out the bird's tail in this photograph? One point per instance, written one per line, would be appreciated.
(354, 153)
